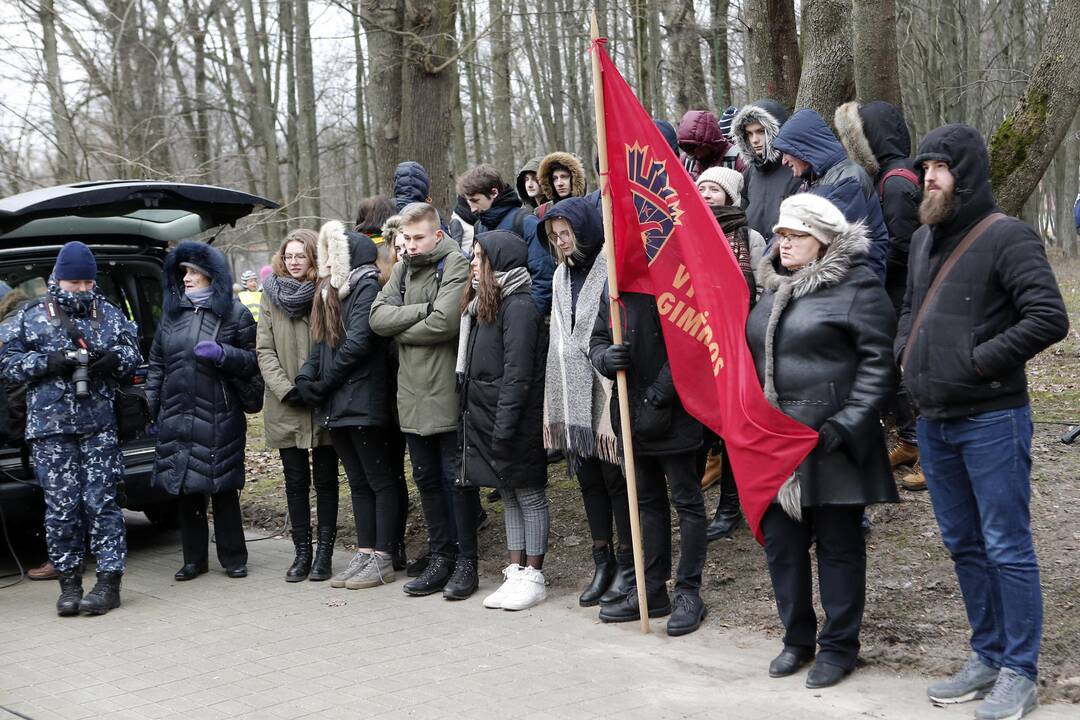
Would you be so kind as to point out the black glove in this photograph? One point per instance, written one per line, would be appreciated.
(293, 399)
(829, 437)
(310, 392)
(617, 357)
(106, 363)
(60, 364)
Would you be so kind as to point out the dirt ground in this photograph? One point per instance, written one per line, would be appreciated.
(914, 617)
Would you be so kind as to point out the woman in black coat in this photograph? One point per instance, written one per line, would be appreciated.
(347, 379)
(821, 337)
(501, 367)
(203, 377)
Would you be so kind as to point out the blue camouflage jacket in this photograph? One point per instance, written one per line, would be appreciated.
(28, 337)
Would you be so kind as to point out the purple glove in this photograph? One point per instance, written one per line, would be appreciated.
(209, 351)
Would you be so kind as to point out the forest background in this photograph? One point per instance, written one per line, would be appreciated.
(313, 102)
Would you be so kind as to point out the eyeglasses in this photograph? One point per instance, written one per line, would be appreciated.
(561, 235)
(792, 239)
(290, 258)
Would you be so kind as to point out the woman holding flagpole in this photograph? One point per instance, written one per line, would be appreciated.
(821, 337)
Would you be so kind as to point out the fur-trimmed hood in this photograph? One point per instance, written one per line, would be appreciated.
(874, 135)
(533, 166)
(569, 161)
(342, 250)
(771, 115)
(210, 259)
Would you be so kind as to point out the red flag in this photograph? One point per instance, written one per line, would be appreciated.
(668, 244)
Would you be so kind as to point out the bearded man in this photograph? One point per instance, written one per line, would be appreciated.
(981, 301)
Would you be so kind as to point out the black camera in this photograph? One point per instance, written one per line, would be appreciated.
(81, 375)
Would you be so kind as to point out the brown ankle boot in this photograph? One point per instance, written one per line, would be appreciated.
(45, 571)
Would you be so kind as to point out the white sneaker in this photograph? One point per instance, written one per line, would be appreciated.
(494, 601)
(529, 590)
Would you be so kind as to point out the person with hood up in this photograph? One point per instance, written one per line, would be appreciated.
(500, 365)
(412, 185)
(820, 337)
(876, 136)
(71, 431)
(721, 189)
(577, 407)
(981, 301)
(346, 379)
(528, 185)
(704, 144)
(420, 308)
(498, 207)
(816, 157)
(766, 182)
(282, 344)
(561, 175)
(666, 444)
(204, 374)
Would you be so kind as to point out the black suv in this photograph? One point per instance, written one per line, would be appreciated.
(129, 225)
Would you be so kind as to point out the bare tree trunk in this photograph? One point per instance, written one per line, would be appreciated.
(684, 38)
(772, 50)
(639, 10)
(67, 160)
(458, 151)
(828, 74)
(1022, 146)
(555, 51)
(292, 117)
(535, 80)
(874, 32)
(266, 136)
(359, 93)
(426, 129)
(718, 50)
(501, 97)
(309, 134)
(382, 19)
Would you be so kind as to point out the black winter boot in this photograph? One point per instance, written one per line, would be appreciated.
(301, 564)
(624, 580)
(322, 567)
(464, 581)
(627, 608)
(728, 513)
(401, 560)
(104, 596)
(604, 573)
(70, 593)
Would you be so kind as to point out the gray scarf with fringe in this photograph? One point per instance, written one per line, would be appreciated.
(577, 399)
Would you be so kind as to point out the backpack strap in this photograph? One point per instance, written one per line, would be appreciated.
(440, 269)
(974, 234)
(518, 227)
(903, 172)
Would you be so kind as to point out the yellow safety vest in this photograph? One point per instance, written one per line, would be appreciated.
(251, 299)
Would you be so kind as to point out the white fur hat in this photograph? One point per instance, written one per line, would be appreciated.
(812, 215)
(730, 180)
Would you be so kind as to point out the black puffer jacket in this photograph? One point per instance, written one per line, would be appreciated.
(999, 307)
(357, 370)
(202, 430)
(830, 361)
(502, 390)
(658, 420)
(876, 137)
(766, 182)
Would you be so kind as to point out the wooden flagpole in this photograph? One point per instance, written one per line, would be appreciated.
(616, 332)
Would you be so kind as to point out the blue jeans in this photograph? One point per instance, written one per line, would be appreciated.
(978, 470)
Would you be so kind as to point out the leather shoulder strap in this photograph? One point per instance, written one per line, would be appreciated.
(931, 294)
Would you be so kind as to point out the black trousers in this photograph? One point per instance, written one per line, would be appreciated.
(435, 463)
(655, 475)
(841, 556)
(397, 463)
(603, 489)
(298, 481)
(228, 529)
(366, 454)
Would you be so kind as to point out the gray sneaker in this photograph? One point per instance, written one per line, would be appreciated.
(378, 571)
(971, 682)
(1013, 697)
(358, 562)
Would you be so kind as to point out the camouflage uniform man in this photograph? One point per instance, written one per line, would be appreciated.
(73, 442)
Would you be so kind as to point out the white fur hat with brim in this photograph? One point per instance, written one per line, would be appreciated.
(811, 215)
(730, 180)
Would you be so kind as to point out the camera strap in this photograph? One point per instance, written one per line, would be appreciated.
(59, 318)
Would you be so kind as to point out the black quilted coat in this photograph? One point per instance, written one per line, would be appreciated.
(202, 430)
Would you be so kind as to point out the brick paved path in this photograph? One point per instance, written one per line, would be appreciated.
(263, 648)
